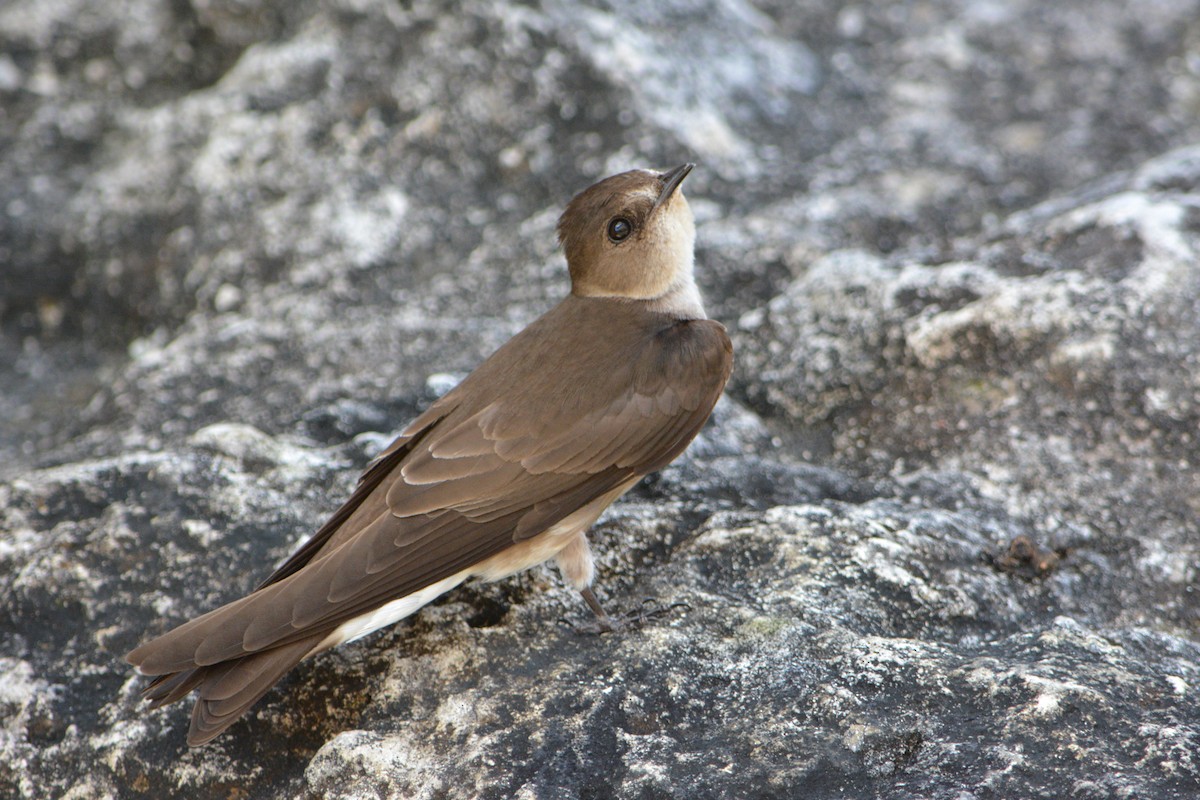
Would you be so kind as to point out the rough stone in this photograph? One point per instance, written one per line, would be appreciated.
(939, 541)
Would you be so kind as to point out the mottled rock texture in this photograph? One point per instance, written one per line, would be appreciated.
(941, 540)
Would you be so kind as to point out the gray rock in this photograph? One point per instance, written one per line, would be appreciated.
(940, 540)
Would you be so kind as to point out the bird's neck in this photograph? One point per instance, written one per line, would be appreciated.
(682, 298)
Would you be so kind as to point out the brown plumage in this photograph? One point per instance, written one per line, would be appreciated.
(505, 471)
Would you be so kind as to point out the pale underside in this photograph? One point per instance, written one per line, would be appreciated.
(565, 541)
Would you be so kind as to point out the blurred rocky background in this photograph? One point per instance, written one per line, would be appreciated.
(941, 540)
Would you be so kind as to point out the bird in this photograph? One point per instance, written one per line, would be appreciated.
(505, 471)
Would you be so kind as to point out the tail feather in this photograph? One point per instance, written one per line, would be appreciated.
(228, 689)
(166, 689)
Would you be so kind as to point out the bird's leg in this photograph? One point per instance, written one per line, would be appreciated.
(604, 622)
(578, 567)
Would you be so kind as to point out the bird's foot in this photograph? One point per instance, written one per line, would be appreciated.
(630, 620)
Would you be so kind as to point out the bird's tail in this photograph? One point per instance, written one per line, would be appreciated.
(229, 688)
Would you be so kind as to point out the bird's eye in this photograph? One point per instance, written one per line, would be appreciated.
(619, 229)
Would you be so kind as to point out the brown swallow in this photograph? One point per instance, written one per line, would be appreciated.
(505, 471)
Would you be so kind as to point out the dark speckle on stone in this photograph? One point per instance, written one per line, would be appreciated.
(1024, 558)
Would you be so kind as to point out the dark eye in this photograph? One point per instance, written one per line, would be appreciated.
(619, 229)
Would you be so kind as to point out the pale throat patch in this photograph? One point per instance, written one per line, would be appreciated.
(682, 296)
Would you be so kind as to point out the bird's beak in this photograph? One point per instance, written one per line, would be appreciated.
(671, 180)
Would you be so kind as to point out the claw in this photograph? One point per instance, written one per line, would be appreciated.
(606, 623)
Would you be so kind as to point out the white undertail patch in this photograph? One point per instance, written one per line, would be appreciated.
(391, 613)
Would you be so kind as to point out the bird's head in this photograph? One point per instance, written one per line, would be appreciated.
(630, 236)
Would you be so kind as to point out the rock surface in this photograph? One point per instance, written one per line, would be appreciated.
(941, 540)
